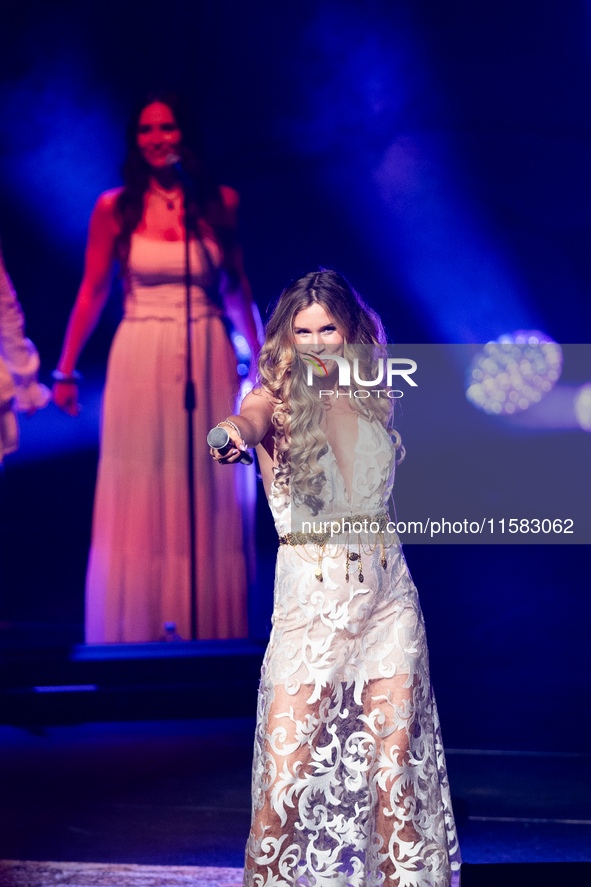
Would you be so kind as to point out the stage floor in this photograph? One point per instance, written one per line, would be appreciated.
(14, 873)
(177, 793)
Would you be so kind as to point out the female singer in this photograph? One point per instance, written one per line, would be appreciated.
(349, 777)
(138, 569)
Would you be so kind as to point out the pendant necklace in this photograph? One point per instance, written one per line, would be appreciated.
(170, 201)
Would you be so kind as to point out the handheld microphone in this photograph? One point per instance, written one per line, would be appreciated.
(219, 439)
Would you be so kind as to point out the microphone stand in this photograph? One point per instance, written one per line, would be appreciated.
(190, 404)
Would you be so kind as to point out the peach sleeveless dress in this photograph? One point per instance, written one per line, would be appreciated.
(138, 569)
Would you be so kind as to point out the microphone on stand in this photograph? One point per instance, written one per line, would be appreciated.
(187, 183)
(219, 439)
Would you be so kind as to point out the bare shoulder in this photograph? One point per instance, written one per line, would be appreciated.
(107, 201)
(230, 202)
(230, 197)
(104, 214)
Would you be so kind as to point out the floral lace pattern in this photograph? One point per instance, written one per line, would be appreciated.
(349, 780)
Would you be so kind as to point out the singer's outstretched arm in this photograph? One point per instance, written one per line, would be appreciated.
(254, 423)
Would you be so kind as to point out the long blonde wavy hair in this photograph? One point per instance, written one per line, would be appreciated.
(299, 411)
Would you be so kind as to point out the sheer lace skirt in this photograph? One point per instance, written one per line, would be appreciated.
(349, 780)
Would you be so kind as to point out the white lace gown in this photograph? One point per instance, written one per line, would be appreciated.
(138, 568)
(349, 779)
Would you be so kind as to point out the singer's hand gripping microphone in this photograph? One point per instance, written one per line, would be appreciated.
(219, 439)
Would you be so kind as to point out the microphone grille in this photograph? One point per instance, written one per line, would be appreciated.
(218, 438)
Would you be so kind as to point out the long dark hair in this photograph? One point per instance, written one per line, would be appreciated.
(205, 202)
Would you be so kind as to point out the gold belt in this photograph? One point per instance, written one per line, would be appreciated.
(328, 529)
(375, 524)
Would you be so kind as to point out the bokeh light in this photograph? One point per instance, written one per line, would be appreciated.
(583, 406)
(513, 372)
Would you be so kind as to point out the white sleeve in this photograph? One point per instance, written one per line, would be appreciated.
(18, 353)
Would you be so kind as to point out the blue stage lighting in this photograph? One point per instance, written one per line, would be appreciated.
(63, 148)
(402, 185)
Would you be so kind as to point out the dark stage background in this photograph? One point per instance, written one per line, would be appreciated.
(438, 155)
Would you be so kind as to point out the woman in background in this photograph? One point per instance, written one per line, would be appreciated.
(138, 570)
(349, 778)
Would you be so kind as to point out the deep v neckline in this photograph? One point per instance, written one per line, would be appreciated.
(348, 494)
